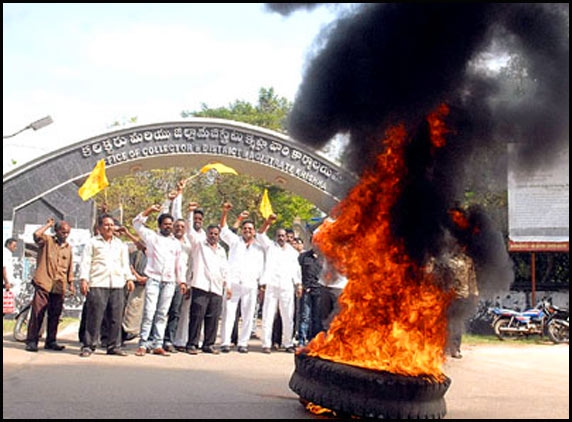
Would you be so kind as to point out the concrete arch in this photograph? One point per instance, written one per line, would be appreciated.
(48, 185)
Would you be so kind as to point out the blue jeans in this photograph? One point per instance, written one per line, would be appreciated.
(158, 297)
(310, 318)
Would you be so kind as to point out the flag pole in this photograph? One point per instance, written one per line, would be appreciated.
(191, 177)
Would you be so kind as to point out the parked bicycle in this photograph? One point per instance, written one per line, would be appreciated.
(72, 303)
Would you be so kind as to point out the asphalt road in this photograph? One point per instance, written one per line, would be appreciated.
(499, 381)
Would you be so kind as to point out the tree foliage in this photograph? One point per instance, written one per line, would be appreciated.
(270, 112)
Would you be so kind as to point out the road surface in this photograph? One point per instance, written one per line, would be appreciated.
(496, 381)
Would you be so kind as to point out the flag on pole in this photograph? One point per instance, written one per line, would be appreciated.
(220, 168)
(95, 182)
(265, 205)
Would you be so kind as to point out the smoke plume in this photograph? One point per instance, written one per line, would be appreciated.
(390, 63)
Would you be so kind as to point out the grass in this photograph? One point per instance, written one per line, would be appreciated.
(492, 339)
(474, 339)
(8, 324)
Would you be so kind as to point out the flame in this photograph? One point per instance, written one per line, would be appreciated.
(393, 313)
(319, 410)
(437, 128)
(459, 218)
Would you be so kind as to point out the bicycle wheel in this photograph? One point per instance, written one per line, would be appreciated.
(21, 326)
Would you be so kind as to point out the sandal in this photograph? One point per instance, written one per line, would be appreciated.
(141, 351)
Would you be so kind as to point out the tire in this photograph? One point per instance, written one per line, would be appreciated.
(349, 391)
(557, 333)
(21, 325)
(503, 335)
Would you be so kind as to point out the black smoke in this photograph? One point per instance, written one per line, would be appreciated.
(287, 8)
(393, 63)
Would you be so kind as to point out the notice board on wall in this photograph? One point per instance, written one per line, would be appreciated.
(538, 205)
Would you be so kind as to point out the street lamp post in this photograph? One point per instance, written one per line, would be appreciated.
(38, 124)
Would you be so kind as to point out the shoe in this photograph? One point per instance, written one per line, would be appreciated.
(141, 351)
(30, 347)
(117, 352)
(242, 349)
(225, 349)
(275, 347)
(54, 346)
(180, 349)
(160, 351)
(85, 352)
(456, 355)
(266, 350)
(129, 336)
(210, 349)
(290, 349)
(170, 348)
(192, 350)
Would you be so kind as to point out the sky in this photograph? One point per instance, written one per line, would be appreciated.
(90, 65)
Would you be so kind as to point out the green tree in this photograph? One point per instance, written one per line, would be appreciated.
(270, 112)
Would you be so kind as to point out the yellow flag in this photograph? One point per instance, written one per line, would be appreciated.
(95, 182)
(220, 168)
(265, 205)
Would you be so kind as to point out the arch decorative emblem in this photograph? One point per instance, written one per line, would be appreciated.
(193, 143)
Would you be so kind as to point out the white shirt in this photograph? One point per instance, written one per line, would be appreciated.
(282, 268)
(173, 207)
(105, 263)
(164, 261)
(186, 261)
(330, 277)
(210, 265)
(8, 264)
(246, 263)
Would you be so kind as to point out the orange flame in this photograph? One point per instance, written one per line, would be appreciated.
(437, 128)
(393, 313)
(319, 410)
(459, 218)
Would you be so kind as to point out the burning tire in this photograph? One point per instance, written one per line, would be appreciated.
(352, 391)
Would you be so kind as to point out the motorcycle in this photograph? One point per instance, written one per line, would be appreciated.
(510, 324)
(557, 326)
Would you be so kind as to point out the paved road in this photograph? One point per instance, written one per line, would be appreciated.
(499, 381)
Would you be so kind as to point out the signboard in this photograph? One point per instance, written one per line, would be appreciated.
(538, 206)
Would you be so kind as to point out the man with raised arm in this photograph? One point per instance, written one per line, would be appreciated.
(246, 263)
(281, 282)
(210, 269)
(53, 276)
(165, 273)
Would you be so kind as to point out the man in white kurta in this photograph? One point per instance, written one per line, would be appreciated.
(246, 263)
(281, 282)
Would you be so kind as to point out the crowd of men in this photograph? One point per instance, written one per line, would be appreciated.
(173, 288)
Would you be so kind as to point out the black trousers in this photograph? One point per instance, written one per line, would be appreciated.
(174, 315)
(329, 304)
(205, 307)
(101, 302)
